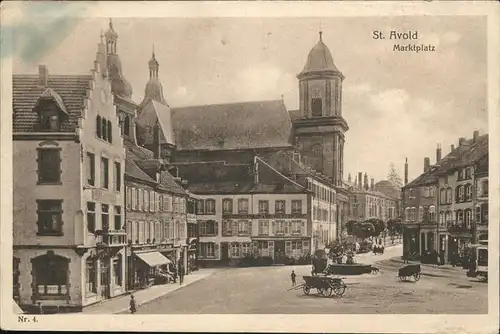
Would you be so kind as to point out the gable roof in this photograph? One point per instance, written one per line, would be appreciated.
(71, 91)
(245, 125)
(468, 153)
(135, 152)
(154, 111)
(387, 188)
(168, 182)
(132, 170)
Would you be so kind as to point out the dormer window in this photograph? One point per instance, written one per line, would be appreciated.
(49, 120)
(51, 111)
(316, 106)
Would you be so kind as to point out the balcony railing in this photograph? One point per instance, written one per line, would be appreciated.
(458, 228)
(111, 238)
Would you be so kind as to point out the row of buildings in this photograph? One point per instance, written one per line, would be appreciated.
(107, 189)
(446, 207)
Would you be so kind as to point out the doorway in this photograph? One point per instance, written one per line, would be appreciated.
(105, 280)
(279, 252)
(224, 252)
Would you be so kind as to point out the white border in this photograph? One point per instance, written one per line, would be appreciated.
(250, 323)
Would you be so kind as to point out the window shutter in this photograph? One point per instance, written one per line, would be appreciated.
(110, 137)
(216, 250)
(273, 228)
(216, 228)
(250, 227)
(98, 126)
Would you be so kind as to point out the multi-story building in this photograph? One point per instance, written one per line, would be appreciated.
(439, 204)
(69, 233)
(248, 210)
(420, 208)
(369, 203)
(481, 198)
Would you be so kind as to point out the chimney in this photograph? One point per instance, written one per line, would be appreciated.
(438, 153)
(349, 178)
(427, 164)
(366, 181)
(461, 141)
(452, 148)
(475, 136)
(43, 76)
(360, 180)
(406, 171)
(372, 184)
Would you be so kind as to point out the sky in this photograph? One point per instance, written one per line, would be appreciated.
(398, 104)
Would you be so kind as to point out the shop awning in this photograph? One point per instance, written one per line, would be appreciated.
(153, 259)
(191, 240)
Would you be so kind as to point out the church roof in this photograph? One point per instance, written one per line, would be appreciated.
(71, 89)
(150, 113)
(319, 59)
(244, 125)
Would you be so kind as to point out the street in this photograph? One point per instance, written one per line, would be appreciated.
(263, 290)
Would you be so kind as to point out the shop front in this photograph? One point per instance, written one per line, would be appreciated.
(145, 268)
(192, 254)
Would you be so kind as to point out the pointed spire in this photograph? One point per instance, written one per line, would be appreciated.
(102, 36)
(110, 23)
(321, 36)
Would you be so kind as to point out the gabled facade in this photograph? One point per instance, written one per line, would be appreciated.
(69, 233)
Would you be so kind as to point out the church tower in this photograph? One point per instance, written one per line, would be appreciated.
(319, 131)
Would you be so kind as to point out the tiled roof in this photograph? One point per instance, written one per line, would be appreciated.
(222, 178)
(168, 182)
(229, 126)
(468, 153)
(72, 90)
(131, 169)
(483, 165)
(135, 152)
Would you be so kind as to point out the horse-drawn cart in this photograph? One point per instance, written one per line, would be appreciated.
(325, 285)
(408, 271)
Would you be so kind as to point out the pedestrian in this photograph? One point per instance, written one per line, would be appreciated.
(181, 274)
(133, 305)
(293, 277)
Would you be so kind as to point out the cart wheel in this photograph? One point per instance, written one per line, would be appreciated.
(327, 292)
(339, 290)
(306, 289)
(416, 277)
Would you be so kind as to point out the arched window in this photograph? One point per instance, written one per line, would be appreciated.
(432, 213)
(449, 195)
(460, 217)
(50, 276)
(460, 194)
(442, 219)
(407, 214)
(316, 106)
(484, 188)
(420, 213)
(468, 218)
(442, 196)
(468, 192)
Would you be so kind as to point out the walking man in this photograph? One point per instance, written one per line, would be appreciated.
(293, 277)
(133, 305)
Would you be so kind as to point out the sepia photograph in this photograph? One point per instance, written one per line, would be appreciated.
(244, 165)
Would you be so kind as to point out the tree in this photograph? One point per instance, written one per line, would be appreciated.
(394, 177)
(378, 224)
